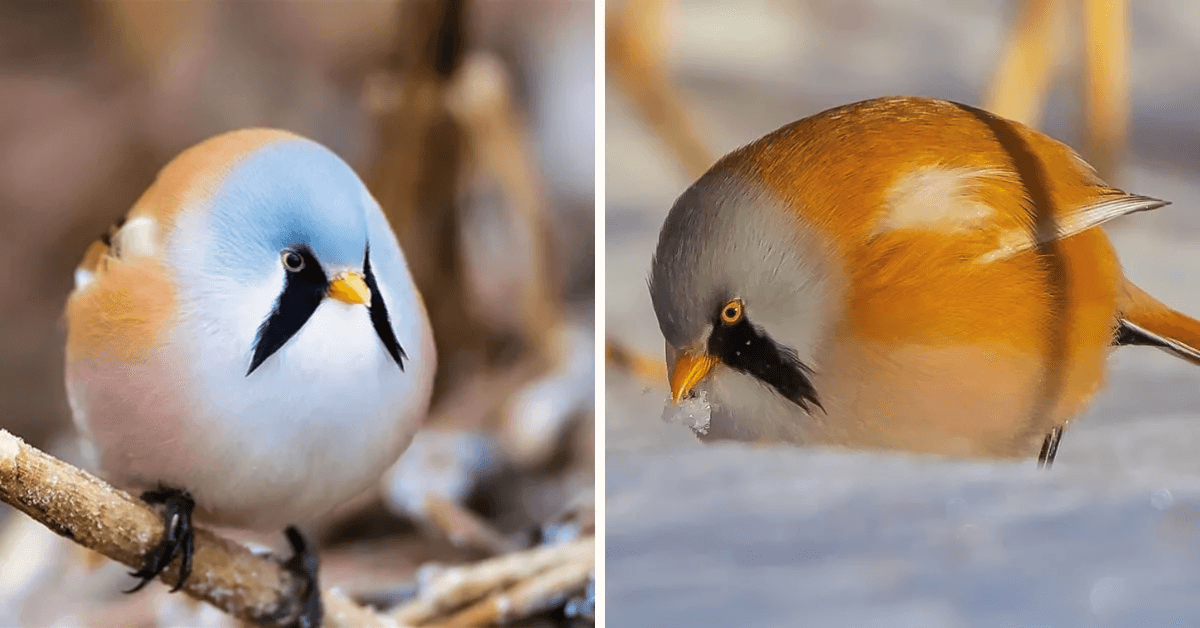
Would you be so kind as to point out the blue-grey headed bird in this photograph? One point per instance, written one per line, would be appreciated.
(248, 341)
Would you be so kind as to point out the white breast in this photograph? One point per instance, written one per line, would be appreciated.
(318, 422)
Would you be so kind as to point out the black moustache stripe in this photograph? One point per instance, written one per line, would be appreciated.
(302, 293)
(379, 315)
(746, 348)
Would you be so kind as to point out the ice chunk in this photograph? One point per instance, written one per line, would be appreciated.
(694, 412)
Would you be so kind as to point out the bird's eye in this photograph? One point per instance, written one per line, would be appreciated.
(731, 312)
(292, 261)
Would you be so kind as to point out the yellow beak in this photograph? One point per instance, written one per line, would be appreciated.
(688, 371)
(350, 287)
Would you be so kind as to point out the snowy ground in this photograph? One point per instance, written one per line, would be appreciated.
(730, 536)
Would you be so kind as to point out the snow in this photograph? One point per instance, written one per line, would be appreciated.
(734, 535)
(694, 412)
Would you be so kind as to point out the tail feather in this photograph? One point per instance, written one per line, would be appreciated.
(1146, 321)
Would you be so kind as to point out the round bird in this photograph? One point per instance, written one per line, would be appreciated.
(248, 341)
(904, 274)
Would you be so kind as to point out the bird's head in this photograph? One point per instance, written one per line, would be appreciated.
(287, 241)
(744, 292)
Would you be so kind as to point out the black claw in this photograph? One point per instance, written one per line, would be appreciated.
(185, 561)
(304, 563)
(1050, 447)
(178, 537)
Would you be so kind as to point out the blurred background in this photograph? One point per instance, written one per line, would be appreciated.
(472, 123)
(731, 535)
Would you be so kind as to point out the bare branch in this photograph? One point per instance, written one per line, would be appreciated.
(81, 507)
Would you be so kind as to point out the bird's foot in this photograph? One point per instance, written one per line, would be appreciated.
(304, 563)
(1050, 447)
(178, 537)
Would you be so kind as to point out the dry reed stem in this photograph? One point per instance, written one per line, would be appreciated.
(529, 597)
(1023, 76)
(416, 174)
(341, 611)
(457, 587)
(464, 528)
(482, 101)
(650, 371)
(1106, 105)
(634, 51)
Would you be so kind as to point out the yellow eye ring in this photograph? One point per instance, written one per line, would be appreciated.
(731, 312)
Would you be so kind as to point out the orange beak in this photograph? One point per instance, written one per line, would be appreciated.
(688, 371)
(350, 287)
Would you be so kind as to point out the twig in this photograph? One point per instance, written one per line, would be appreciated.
(457, 587)
(464, 528)
(342, 611)
(81, 507)
(1031, 55)
(536, 595)
(1023, 76)
(1106, 93)
(634, 50)
(645, 368)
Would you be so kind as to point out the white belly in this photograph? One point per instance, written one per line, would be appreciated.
(317, 423)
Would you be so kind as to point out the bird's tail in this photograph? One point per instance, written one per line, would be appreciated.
(1144, 320)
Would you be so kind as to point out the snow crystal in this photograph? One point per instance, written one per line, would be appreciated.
(694, 412)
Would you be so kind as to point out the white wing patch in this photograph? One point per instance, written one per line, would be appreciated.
(1071, 222)
(134, 238)
(941, 199)
(945, 200)
(83, 278)
(138, 236)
